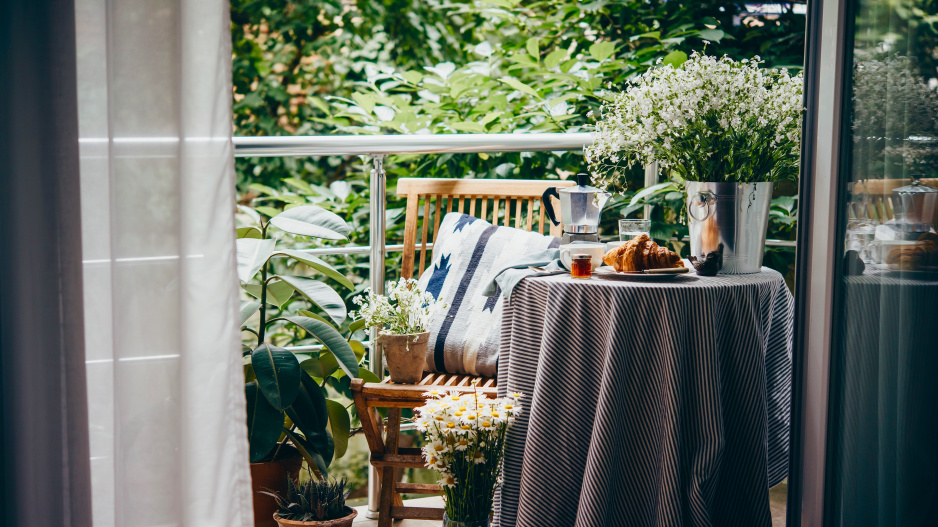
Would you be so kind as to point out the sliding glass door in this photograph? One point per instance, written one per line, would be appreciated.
(866, 435)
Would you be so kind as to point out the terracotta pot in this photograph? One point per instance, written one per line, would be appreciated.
(406, 356)
(339, 522)
(271, 477)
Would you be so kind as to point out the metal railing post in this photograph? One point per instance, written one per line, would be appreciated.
(651, 178)
(376, 275)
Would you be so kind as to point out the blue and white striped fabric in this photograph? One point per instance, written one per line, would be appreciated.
(467, 254)
(647, 404)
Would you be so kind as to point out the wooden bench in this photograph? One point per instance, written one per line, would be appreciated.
(515, 203)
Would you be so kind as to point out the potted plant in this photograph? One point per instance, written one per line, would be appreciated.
(403, 316)
(465, 442)
(727, 130)
(313, 503)
(289, 413)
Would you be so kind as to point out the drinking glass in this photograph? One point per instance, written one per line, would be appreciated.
(633, 228)
(859, 238)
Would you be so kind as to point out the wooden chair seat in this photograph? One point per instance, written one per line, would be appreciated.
(512, 201)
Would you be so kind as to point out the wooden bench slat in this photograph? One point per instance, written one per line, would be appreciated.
(417, 488)
(416, 513)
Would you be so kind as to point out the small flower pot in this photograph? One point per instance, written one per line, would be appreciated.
(345, 521)
(271, 477)
(406, 356)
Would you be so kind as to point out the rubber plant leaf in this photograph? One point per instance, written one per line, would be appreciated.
(310, 220)
(311, 416)
(252, 255)
(248, 309)
(265, 423)
(331, 339)
(355, 326)
(320, 294)
(278, 374)
(340, 424)
(318, 265)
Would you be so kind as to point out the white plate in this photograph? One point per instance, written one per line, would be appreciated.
(608, 273)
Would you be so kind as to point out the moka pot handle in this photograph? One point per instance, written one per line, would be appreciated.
(548, 206)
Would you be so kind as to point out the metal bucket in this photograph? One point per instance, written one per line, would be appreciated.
(735, 215)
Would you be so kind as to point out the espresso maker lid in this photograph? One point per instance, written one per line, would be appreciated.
(582, 186)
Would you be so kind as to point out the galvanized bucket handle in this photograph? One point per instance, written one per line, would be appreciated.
(701, 200)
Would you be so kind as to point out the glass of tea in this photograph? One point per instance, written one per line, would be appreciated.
(582, 266)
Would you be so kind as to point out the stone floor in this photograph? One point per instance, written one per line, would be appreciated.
(776, 501)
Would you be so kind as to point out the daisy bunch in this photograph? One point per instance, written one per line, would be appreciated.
(464, 442)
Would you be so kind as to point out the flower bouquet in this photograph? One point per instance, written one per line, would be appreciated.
(728, 129)
(465, 441)
(403, 317)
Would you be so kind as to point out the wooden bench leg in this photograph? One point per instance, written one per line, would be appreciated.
(391, 435)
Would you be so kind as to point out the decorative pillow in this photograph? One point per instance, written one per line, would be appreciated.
(467, 255)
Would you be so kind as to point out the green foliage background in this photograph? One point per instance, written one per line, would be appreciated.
(457, 66)
(462, 66)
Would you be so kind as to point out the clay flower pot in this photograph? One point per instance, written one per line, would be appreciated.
(406, 356)
(345, 521)
(271, 476)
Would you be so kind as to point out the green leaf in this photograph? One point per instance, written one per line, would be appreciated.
(278, 374)
(413, 77)
(248, 309)
(313, 366)
(328, 363)
(310, 415)
(366, 101)
(602, 50)
(248, 232)
(467, 126)
(264, 423)
(278, 292)
(355, 326)
(250, 212)
(648, 191)
(310, 220)
(252, 255)
(533, 48)
(358, 348)
(367, 375)
(340, 424)
(318, 265)
(320, 294)
(310, 314)
(675, 58)
(268, 211)
(332, 340)
(520, 86)
(712, 35)
(554, 58)
(309, 453)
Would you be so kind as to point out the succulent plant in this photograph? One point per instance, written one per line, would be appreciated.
(313, 500)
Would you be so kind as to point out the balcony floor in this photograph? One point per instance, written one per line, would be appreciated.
(777, 498)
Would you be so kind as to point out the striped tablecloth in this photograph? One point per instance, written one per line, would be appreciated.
(647, 403)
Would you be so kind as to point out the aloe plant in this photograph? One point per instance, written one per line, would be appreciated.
(313, 501)
(286, 394)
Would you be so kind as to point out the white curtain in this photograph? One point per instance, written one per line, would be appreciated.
(165, 387)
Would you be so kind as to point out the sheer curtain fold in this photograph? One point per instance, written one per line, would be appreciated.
(168, 435)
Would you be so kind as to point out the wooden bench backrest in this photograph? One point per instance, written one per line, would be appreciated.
(509, 202)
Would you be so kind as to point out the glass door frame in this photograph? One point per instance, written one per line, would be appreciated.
(827, 54)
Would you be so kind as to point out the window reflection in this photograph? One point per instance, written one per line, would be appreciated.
(883, 429)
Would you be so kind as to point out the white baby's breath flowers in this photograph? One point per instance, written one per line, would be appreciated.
(404, 310)
(710, 119)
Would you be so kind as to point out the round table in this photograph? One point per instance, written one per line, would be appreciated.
(647, 403)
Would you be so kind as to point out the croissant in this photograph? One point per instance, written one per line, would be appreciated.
(641, 253)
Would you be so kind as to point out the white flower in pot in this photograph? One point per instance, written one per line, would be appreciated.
(403, 317)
